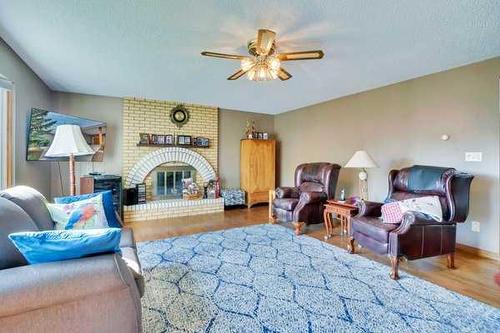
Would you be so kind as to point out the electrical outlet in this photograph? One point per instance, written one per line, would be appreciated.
(473, 156)
(475, 226)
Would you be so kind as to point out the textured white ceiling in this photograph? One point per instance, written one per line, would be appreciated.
(152, 48)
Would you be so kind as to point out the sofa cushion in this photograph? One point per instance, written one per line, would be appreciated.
(286, 203)
(12, 219)
(57, 245)
(83, 214)
(107, 201)
(32, 202)
(373, 227)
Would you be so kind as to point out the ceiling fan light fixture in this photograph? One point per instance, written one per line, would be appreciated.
(261, 68)
(264, 62)
(247, 63)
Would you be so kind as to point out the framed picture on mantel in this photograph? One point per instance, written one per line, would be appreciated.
(143, 138)
(184, 140)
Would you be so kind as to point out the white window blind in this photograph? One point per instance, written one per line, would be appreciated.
(6, 171)
(3, 138)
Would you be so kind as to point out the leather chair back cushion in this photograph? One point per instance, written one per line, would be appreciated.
(423, 179)
(318, 174)
(311, 187)
(32, 202)
(12, 219)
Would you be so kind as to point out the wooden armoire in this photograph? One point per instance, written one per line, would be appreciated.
(257, 169)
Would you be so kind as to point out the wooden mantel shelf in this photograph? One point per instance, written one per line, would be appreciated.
(166, 145)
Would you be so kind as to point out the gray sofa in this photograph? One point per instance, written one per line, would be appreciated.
(94, 294)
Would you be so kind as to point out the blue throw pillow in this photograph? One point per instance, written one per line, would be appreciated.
(107, 202)
(56, 245)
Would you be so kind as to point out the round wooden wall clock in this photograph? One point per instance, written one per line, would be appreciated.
(179, 115)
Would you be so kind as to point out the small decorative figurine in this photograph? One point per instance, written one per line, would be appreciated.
(342, 195)
(250, 130)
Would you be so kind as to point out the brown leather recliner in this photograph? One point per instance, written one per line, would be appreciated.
(417, 236)
(304, 204)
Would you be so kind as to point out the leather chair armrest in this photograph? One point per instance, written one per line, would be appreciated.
(417, 219)
(312, 197)
(369, 208)
(32, 287)
(287, 192)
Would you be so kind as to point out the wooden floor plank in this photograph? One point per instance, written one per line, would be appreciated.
(474, 276)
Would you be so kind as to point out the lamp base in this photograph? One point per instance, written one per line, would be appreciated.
(363, 185)
(72, 182)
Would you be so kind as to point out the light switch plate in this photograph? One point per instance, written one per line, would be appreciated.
(473, 156)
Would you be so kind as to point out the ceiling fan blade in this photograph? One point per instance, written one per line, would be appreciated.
(265, 41)
(237, 75)
(283, 74)
(301, 55)
(222, 55)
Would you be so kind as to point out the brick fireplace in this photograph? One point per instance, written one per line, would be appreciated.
(141, 162)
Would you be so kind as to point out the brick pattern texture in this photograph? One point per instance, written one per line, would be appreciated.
(153, 116)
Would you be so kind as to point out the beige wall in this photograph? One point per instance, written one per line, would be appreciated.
(401, 125)
(107, 109)
(30, 92)
(231, 130)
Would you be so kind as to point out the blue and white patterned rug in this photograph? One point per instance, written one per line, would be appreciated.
(265, 279)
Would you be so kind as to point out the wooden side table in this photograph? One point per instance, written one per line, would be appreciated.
(344, 212)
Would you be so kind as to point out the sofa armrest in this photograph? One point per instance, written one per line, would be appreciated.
(287, 192)
(369, 208)
(312, 197)
(27, 288)
(119, 219)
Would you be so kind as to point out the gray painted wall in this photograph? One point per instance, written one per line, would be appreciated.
(107, 109)
(231, 130)
(401, 125)
(30, 92)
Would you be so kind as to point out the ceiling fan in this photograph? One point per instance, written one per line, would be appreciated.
(264, 62)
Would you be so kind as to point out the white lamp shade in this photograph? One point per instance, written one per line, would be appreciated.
(361, 160)
(68, 141)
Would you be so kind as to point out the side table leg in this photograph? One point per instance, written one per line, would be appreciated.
(342, 225)
(348, 225)
(327, 224)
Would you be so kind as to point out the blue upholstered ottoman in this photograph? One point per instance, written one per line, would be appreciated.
(233, 197)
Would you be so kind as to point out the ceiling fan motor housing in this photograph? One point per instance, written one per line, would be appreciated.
(252, 48)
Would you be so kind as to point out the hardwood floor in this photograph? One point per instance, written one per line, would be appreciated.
(474, 276)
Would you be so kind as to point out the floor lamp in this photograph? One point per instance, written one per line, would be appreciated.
(362, 160)
(69, 142)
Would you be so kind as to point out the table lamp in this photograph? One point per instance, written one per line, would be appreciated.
(362, 160)
(69, 142)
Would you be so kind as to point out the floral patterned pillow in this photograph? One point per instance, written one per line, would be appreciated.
(84, 214)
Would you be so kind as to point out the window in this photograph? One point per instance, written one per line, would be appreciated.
(6, 133)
